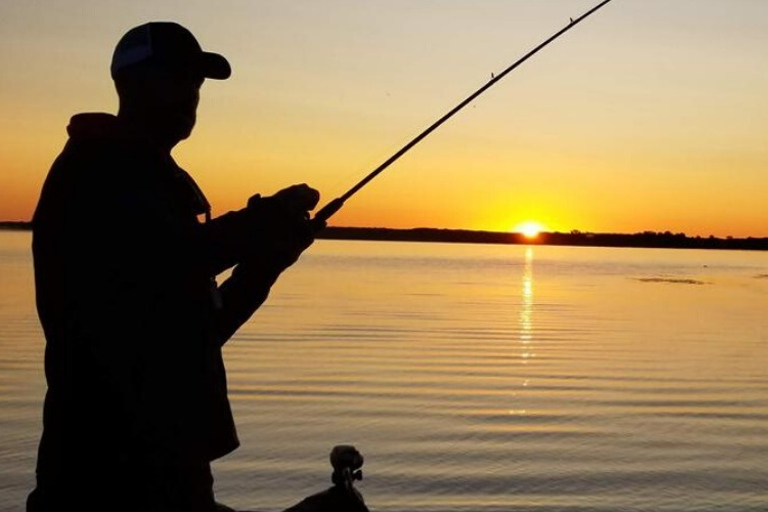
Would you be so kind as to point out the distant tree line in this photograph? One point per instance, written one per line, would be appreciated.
(650, 239)
(16, 225)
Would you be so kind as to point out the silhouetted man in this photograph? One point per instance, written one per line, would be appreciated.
(125, 255)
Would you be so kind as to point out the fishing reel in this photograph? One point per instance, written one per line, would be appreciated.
(342, 496)
(346, 462)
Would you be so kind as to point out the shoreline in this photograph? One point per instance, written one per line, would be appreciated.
(646, 239)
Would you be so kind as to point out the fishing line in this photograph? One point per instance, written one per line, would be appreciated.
(327, 211)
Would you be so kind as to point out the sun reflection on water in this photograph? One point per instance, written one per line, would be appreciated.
(526, 309)
(525, 329)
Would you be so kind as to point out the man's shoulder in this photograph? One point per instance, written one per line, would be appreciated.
(99, 151)
(87, 165)
(96, 166)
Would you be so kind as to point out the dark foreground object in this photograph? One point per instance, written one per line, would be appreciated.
(342, 497)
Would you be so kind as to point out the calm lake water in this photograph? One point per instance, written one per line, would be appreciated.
(474, 378)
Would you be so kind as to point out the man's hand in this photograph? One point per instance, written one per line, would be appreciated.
(298, 199)
(284, 225)
(280, 230)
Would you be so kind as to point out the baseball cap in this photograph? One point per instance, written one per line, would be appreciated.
(168, 45)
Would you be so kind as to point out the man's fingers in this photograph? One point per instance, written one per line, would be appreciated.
(299, 197)
(307, 196)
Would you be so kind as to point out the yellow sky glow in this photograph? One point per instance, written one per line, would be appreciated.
(649, 116)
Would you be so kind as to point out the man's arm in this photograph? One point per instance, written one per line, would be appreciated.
(224, 241)
(241, 295)
(235, 236)
(282, 242)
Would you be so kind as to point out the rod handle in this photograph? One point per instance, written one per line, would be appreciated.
(326, 212)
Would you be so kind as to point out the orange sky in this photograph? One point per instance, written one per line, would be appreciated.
(649, 116)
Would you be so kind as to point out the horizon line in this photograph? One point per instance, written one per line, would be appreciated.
(28, 224)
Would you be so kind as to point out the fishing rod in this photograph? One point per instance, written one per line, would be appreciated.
(335, 205)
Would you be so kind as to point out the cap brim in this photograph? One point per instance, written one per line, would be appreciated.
(215, 66)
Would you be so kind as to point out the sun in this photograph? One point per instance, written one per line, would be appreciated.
(529, 229)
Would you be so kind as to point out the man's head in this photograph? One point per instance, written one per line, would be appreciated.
(158, 69)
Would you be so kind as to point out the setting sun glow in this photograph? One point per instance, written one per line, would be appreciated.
(624, 148)
(529, 229)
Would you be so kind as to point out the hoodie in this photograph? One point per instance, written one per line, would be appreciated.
(125, 256)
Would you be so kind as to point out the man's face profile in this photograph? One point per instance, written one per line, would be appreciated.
(166, 98)
(173, 98)
(177, 98)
